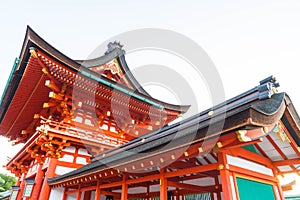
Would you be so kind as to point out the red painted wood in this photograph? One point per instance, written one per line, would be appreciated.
(163, 186)
(38, 183)
(225, 177)
(124, 188)
(22, 185)
(45, 191)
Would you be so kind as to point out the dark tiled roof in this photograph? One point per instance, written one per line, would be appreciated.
(259, 104)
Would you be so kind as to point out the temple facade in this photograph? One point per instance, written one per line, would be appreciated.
(91, 132)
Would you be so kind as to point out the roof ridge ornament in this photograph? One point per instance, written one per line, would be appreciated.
(112, 46)
(268, 87)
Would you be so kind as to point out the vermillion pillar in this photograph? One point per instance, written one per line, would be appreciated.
(22, 185)
(45, 191)
(38, 183)
(148, 193)
(65, 195)
(124, 188)
(163, 186)
(98, 191)
(18, 181)
(78, 194)
(225, 176)
(177, 194)
(87, 195)
(278, 187)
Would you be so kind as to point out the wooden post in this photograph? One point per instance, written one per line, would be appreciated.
(225, 176)
(277, 186)
(163, 185)
(148, 193)
(18, 181)
(22, 185)
(45, 191)
(65, 194)
(177, 194)
(124, 188)
(98, 190)
(78, 193)
(218, 192)
(38, 183)
(87, 195)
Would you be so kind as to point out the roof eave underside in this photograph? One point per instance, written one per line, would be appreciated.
(34, 40)
(37, 41)
(116, 53)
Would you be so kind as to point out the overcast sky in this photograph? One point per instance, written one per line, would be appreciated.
(247, 41)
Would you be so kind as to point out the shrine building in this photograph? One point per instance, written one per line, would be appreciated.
(90, 131)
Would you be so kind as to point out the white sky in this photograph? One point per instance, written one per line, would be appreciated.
(247, 41)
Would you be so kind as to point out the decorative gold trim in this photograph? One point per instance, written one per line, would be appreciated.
(241, 135)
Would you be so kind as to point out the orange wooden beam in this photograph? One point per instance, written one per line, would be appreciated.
(198, 169)
(192, 187)
(143, 179)
(251, 156)
(69, 191)
(294, 161)
(90, 188)
(110, 185)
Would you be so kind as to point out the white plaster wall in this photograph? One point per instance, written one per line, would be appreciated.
(207, 181)
(67, 158)
(70, 149)
(56, 193)
(243, 163)
(72, 196)
(62, 170)
(102, 197)
(81, 160)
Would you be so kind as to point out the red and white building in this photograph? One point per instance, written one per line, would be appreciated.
(91, 132)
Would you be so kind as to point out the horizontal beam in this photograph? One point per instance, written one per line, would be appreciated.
(110, 185)
(294, 161)
(143, 179)
(192, 170)
(251, 156)
(192, 187)
(90, 188)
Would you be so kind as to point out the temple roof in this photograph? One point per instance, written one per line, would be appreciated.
(25, 91)
(261, 110)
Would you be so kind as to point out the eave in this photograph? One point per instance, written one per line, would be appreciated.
(32, 40)
(240, 113)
